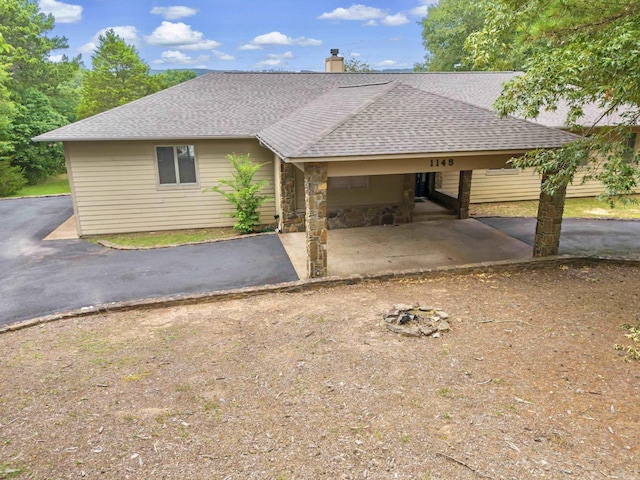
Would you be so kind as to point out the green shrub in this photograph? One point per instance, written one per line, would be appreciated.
(11, 178)
(243, 193)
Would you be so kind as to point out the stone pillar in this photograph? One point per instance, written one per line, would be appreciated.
(549, 225)
(464, 193)
(315, 196)
(291, 221)
(405, 212)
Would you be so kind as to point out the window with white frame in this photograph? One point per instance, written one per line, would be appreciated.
(176, 165)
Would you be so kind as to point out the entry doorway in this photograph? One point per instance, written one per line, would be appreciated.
(425, 184)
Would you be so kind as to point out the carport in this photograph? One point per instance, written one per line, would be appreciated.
(424, 244)
(392, 129)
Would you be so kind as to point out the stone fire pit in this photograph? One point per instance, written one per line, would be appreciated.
(417, 320)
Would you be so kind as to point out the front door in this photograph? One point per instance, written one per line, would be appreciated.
(425, 184)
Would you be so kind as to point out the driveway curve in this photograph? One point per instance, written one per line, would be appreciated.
(40, 277)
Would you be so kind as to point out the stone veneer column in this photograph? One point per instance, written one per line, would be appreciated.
(315, 196)
(549, 225)
(464, 193)
(291, 221)
(405, 212)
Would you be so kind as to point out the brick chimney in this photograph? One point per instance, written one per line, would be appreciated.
(334, 63)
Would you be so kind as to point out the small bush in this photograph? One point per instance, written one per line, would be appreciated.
(244, 193)
(11, 178)
(632, 352)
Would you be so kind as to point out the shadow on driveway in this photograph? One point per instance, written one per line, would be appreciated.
(43, 277)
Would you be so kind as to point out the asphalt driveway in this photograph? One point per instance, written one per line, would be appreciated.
(579, 236)
(40, 277)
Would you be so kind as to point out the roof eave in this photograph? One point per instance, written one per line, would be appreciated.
(44, 138)
(400, 156)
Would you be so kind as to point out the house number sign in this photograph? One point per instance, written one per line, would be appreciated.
(442, 162)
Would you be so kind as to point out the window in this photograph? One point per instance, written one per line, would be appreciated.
(502, 171)
(349, 183)
(629, 151)
(176, 165)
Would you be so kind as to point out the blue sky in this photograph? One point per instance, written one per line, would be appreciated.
(289, 35)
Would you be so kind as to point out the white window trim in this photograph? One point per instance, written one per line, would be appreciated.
(502, 171)
(176, 167)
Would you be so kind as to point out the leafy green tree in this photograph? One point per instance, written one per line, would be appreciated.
(25, 28)
(33, 85)
(581, 53)
(445, 29)
(353, 65)
(67, 95)
(169, 78)
(34, 115)
(118, 76)
(7, 106)
(243, 192)
(11, 178)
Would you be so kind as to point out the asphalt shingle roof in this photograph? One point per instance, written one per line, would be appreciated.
(318, 114)
(242, 104)
(395, 118)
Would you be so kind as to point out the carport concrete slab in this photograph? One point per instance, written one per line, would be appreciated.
(369, 250)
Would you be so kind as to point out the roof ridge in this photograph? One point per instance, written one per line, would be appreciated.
(327, 131)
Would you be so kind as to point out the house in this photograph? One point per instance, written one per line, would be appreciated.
(340, 149)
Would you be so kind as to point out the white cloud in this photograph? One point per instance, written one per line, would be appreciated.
(277, 38)
(174, 12)
(395, 20)
(56, 58)
(273, 38)
(275, 59)
(222, 55)
(370, 15)
(307, 42)
(128, 33)
(175, 57)
(180, 35)
(63, 12)
(354, 12)
(355, 54)
(421, 10)
(248, 46)
(387, 63)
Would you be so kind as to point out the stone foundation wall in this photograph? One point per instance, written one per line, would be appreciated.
(345, 217)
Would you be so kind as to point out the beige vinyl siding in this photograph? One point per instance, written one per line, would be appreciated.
(116, 186)
(512, 185)
(383, 190)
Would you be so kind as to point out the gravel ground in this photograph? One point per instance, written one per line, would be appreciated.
(310, 385)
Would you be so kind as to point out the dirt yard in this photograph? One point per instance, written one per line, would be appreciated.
(311, 385)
